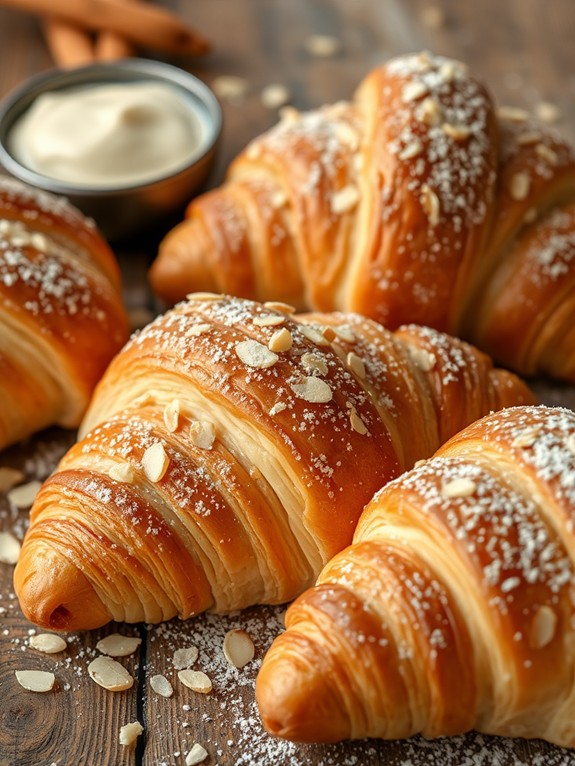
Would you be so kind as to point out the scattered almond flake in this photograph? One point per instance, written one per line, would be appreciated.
(457, 132)
(519, 185)
(195, 680)
(202, 434)
(48, 643)
(109, 674)
(312, 389)
(161, 686)
(155, 462)
(526, 438)
(172, 415)
(451, 70)
(36, 680)
(205, 297)
(24, 495)
(9, 548)
(255, 354)
(10, 477)
(289, 114)
(512, 114)
(140, 317)
(424, 359)
(419, 463)
(412, 149)
(268, 320)
(546, 153)
(130, 732)
(281, 340)
(122, 472)
(543, 627)
(322, 46)
(230, 88)
(314, 334)
(185, 658)
(344, 333)
(430, 203)
(116, 645)
(277, 408)
(197, 329)
(413, 91)
(344, 199)
(528, 137)
(312, 362)
(432, 17)
(238, 648)
(196, 755)
(547, 112)
(356, 364)
(430, 112)
(274, 96)
(284, 308)
(570, 443)
(356, 422)
(460, 487)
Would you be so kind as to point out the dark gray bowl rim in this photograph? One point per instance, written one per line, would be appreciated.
(15, 103)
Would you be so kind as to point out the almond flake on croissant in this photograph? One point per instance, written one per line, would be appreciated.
(413, 202)
(61, 313)
(216, 472)
(453, 609)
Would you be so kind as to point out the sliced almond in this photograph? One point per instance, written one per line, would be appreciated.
(10, 477)
(460, 487)
(48, 643)
(430, 203)
(278, 199)
(122, 472)
(346, 134)
(543, 627)
(197, 754)
(196, 681)
(312, 389)
(512, 114)
(314, 334)
(528, 138)
(356, 422)
(280, 341)
(547, 112)
(238, 648)
(425, 360)
(172, 415)
(277, 408)
(430, 112)
(519, 185)
(109, 674)
(457, 132)
(231, 88)
(255, 354)
(356, 364)
(344, 199)
(24, 495)
(322, 46)
(116, 645)
(268, 320)
(527, 437)
(130, 732)
(413, 91)
(412, 149)
(312, 362)
(204, 297)
(546, 153)
(197, 329)
(419, 463)
(570, 443)
(161, 686)
(202, 434)
(344, 333)
(289, 115)
(36, 680)
(155, 462)
(275, 95)
(9, 548)
(284, 308)
(185, 658)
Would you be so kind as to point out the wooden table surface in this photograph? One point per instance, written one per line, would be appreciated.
(524, 50)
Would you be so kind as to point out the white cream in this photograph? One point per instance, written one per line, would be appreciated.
(107, 135)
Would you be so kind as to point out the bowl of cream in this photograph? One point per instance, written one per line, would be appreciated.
(127, 142)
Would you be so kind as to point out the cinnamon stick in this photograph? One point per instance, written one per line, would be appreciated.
(143, 24)
(69, 45)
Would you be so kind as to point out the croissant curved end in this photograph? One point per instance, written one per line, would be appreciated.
(296, 700)
(54, 594)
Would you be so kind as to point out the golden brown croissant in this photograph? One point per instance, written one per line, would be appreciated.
(454, 607)
(61, 314)
(411, 203)
(232, 449)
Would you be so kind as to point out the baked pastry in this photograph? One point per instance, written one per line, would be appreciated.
(453, 609)
(414, 202)
(61, 313)
(231, 449)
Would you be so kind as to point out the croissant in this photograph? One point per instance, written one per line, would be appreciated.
(454, 607)
(228, 453)
(411, 203)
(61, 314)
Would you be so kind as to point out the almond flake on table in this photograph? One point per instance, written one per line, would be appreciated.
(9, 548)
(48, 643)
(36, 680)
(161, 685)
(195, 680)
(116, 645)
(231, 88)
(196, 755)
(109, 674)
(9, 478)
(547, 112)
(130, 732)
(185, 658)
(275, 95)
(24, 495)
(322, 46)
(238, 648)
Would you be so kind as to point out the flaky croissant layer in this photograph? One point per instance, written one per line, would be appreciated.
(454, 608)
(417, 201)
(228, 453)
